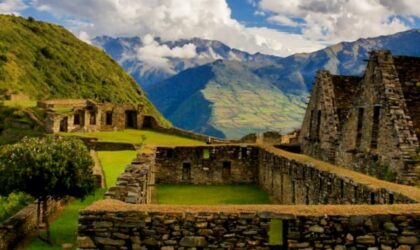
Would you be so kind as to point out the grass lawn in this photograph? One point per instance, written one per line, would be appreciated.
(114, 163)
(210, 195)
(64, 228)
(134, 136)
(21, 103)
(218, 195)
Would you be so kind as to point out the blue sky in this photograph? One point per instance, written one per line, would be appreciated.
(279, 27)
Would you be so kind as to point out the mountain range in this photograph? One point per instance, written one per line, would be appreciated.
(225, 92)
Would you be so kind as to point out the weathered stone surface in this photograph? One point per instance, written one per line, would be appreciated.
(316, 229)
(193, 241)
(85, 242)
(389, 226)
(366, 239)
(409, 240)
(110, 242)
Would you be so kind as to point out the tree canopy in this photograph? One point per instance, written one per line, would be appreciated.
(46, 167)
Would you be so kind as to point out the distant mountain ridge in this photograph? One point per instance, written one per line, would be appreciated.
(234, 97)
(125, 51)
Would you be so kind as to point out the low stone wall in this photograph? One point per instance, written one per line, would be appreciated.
(290, 181)
(98, 172)
(189, 134)
(133, 184)
(94, 144)
(212, 164)
(115, 225)
(24, 222)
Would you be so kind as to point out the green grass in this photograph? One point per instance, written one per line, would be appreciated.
(210, 195)
(64, 228)
(114, 163)
(22, 103)
(134, 136)
(218, 195)
(11, 204)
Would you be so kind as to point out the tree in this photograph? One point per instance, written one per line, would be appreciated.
(46, 168)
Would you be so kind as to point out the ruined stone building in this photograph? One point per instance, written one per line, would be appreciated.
(73, 115)
(369, 124)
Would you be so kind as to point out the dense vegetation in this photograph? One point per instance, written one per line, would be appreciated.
(43, 60)
(12, 203)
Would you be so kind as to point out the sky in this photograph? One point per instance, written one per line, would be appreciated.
(277, 27)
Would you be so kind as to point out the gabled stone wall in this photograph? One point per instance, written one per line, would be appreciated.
(367, 124)
(395, 140)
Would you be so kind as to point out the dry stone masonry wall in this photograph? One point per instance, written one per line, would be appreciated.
(134, 185)
(213, 164)
(247, 227)
(369, 124)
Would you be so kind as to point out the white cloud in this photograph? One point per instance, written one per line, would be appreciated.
(12, 6)
(156, 55)
(337, 20)
(84, 36)
(172, 19)
(283, 20)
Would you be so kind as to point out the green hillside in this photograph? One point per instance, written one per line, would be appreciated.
(228, 99)
(43, 61)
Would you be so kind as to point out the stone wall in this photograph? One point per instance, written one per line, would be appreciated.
(19, 226)
(290, 181)
(383, 147)
(115, 225)
(367, 124)
(212, 164)
(135, 183)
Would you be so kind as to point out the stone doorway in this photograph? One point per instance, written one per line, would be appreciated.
(147, 122)
(186, 171)
(131, 119)
(226, 170)
(64, 124)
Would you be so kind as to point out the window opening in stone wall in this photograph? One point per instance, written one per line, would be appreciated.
(108, 118)
(186, 171)
(372, 198)
(311, 124)
(131, 119)
(206, 153)
(226, 170)
(244, 152)
(318, 125)
(92, 118)
(148, 122)
(391, 198)
(375, 127)
(360, 113)
(307, 195)
(63, 124)
(355, 191)
(293, 192)
(76, 119)
(169, 153)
